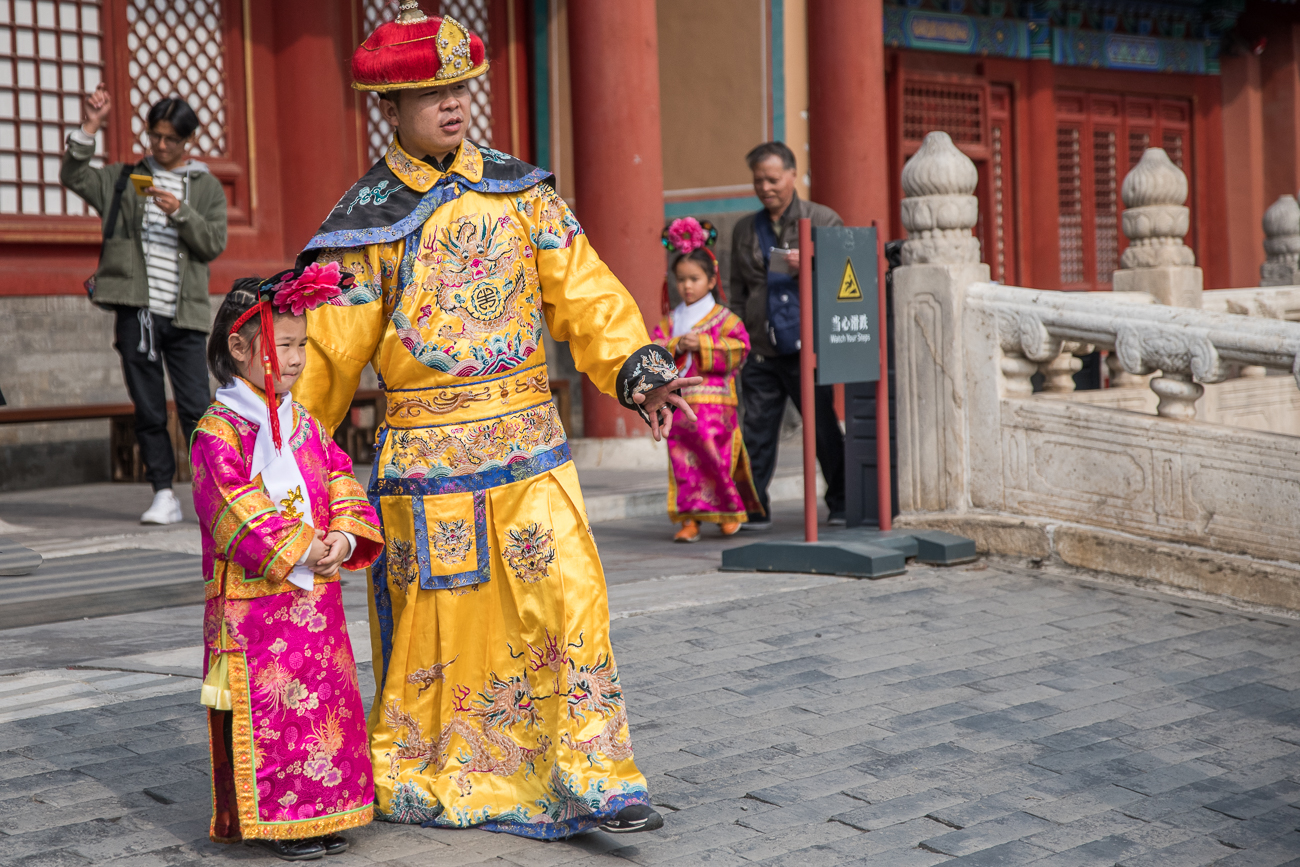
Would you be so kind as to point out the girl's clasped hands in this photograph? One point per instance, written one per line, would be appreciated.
(327, 552)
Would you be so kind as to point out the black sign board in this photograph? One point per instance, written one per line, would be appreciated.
(846, 305)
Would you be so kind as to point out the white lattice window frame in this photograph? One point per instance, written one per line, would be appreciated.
(51, 53)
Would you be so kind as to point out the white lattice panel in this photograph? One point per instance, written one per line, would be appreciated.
(50, 56)
(177, 48)
(473, 14)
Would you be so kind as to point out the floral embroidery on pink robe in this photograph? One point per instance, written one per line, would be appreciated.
(709, 478)
(299, 764)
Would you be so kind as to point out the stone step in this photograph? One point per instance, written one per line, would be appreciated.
(15, 560)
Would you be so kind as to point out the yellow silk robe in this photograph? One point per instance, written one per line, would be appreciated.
(498, 701)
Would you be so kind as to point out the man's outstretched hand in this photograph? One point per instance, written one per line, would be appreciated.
(659, 402)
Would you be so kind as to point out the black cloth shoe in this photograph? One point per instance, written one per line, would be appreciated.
(310, 849)
(757, 525)
(335, 844)
(634, 818)
(836, 519)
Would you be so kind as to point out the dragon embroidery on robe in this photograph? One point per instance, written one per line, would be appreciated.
(481, 725)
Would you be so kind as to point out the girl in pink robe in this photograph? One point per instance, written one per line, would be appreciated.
(280, 511)
(709, 477)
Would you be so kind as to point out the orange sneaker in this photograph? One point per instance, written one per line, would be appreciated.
(690, 532)
(730, 528)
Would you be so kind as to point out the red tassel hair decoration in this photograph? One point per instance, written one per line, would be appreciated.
(291, 293)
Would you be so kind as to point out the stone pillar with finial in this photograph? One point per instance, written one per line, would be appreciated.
(1155, 221)
(1281, 243)
(941, 258)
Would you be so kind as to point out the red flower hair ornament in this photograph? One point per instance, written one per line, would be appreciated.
(289, 293)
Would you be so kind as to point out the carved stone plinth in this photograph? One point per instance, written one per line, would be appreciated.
(938, 209)
(1155, 221)
(1173, 286)
(1281, 243)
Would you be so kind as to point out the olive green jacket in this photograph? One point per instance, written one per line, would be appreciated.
(201, 224)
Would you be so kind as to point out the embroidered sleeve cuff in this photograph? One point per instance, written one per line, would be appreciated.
(650, 367)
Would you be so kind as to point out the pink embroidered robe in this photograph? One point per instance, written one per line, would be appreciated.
(709, 478)
(300, 761)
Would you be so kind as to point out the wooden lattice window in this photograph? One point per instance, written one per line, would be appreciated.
(1069, 184)
(474, 15)
(999, 238)
(177, 48)
(50, 54)
(1100, 137)
(956, 108)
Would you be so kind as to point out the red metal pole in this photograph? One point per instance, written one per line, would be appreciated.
(807, 385)
(884, 485)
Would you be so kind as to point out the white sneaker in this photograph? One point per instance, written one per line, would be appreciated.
(166, 509)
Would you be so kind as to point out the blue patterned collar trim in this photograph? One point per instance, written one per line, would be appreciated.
(447, 189)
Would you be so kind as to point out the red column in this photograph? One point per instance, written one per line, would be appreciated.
(1280, 81)
(618, 164)
(313, 93)
(1042, 231)
(846, 115)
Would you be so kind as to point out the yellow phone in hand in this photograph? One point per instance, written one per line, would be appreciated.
(142, 183)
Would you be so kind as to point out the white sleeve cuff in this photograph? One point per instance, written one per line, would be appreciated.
(352, 543)
(79, 136)
(302, 561)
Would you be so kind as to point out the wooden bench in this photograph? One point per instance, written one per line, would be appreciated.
(356, 435)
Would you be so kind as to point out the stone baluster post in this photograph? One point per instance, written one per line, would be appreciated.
(1155, 221)
(940, 260)
(1281, 243)
(1159, 263)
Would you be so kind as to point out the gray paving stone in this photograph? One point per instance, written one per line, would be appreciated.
(898, 810)
(1003, 855)
(1259, 801)
(986, 835)
(1194, 852)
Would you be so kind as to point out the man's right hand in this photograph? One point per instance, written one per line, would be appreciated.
(98, 105)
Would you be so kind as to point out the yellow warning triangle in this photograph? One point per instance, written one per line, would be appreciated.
(849, 288)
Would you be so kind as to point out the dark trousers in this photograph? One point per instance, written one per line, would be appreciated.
(766, 382)
(184, 353)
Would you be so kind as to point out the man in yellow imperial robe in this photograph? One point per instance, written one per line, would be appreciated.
(498, 702)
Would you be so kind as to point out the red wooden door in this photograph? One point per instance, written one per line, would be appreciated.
(1099, 138)
(978, 118)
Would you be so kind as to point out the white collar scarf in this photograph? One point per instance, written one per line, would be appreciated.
(280, 473)
(687, 316)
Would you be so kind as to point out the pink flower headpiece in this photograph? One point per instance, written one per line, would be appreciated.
(686, 234)
(297, 292)
(289, 292)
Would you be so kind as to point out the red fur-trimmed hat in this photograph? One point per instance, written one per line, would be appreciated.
(417, 51)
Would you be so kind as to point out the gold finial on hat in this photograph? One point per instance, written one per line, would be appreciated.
(409, 12)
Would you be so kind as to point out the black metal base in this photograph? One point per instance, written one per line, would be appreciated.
(854, 552)
(854, 559)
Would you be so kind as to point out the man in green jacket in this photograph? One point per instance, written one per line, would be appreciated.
(153, 272)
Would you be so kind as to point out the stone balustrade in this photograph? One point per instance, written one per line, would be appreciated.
(1097, 479)
(1188, 347)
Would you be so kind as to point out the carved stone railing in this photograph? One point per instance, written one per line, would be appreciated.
(1188, 347)
(1202, 495)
